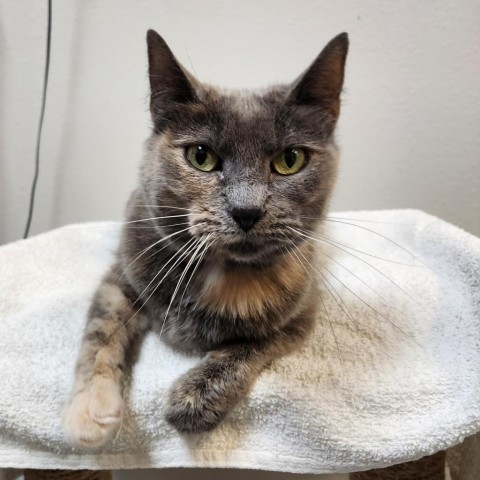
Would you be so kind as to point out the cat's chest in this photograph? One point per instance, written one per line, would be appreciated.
(233, 304)
(246, 293)
(223, 304)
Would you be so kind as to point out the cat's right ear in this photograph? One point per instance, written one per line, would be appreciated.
(169, 83)
(321, 84)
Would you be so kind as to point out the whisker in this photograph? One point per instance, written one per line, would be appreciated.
(347, 312)
(332, 329)
(153, 245)
(321, 299)
(179, 255)
(401, 247)
(363, 261)
(156, 287)
(298, 260)
(330, 217)
(199, 261)
(159, 206)
(142, 227)
(350, 316)
(156, 218)
(190, 61)
(351, 272)
(156, 252)
(368, 305)
(367, 253)
(182, 276)
(374, 309)
(116, 224)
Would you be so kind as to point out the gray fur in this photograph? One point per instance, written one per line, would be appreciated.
(244, 299)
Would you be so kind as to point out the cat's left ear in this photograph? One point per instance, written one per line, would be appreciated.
(322, 82)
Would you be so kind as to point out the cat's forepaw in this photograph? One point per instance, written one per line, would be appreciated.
(94, 414)
(195, 406)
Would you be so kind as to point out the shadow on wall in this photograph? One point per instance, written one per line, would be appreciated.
(3, 172)
(65, 137)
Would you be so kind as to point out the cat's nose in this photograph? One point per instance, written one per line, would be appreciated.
(246, 217)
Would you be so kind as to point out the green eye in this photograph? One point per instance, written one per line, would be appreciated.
(290, 161)
(202, 158)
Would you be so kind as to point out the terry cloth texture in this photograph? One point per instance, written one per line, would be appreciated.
(390, 374)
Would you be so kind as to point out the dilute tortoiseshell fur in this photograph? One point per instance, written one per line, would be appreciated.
(239, 296)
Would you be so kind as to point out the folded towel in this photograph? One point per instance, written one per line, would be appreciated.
(390, 374)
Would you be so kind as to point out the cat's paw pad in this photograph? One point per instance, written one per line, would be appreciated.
(195, 407)
(94, 414)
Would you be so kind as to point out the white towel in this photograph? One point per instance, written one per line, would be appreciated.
(367, 390)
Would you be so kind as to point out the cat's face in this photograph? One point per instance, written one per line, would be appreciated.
(244, 166)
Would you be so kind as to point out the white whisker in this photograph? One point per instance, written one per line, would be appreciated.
(321, 299)
(199, 261)
(159, 206)
(153, 245)
(362, 260)
(142, 227)
(115, 224)
(157, 218)
(368, 305)
(387, 239)
(330, 217)
(367, 253)
(182, 276)
(325, 282)
(178, 256)
(159, 283)
(352, 273)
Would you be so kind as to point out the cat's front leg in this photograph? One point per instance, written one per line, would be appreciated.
(95, 408)
(204, 395)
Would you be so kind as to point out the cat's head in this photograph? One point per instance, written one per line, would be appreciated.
(245, 166)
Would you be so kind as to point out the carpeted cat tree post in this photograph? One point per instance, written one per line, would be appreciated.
(463, 461)
(427, 468)
(68, 475)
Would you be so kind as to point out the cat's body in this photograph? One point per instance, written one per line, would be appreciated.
(225, 302)
(209, 256)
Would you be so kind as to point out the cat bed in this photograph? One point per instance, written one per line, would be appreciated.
(391, 373)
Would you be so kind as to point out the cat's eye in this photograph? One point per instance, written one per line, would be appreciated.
(202, 157)
(290, 161)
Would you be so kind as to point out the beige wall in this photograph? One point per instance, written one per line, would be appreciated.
(411, 116)
(409, 131)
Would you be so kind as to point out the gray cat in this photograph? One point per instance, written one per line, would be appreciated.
(209, 254)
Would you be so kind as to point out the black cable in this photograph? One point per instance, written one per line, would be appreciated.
(40, 124)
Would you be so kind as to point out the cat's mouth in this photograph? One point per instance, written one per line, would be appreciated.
(247, 251)
(245, 247)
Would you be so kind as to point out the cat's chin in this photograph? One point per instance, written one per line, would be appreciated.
(250, 253)
(245, 259)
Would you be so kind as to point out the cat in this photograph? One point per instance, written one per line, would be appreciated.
(207, 252)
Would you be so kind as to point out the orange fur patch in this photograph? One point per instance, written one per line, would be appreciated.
(243, 291)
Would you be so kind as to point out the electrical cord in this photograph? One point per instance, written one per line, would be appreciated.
(40, 124)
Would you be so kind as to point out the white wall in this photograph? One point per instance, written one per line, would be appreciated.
(411, 117)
